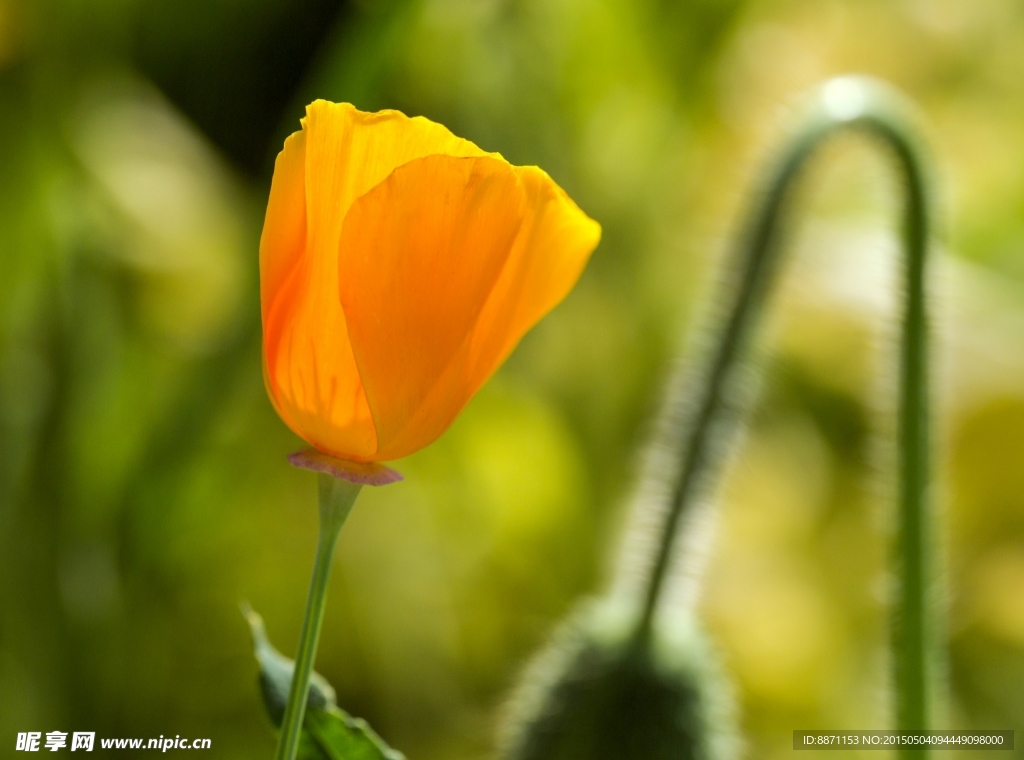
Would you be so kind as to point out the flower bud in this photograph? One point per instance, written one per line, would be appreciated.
(600, 691)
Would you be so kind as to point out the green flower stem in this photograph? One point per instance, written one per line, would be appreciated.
(336, 499)
(844, 104)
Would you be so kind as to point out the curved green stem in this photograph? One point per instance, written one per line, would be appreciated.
(336, 499)
(846, 103)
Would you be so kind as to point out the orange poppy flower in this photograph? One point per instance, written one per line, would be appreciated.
(399, 266)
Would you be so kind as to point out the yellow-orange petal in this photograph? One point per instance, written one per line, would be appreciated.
(310, 370)
(418, 259)
(284, 230)
(553, 246)
(352, 151)
(283, 241)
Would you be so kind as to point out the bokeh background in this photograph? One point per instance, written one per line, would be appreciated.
(143, 486)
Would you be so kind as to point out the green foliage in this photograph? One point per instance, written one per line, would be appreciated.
(338, 736)
(143, 483)
(329, 733)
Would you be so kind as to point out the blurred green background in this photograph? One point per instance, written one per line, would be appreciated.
(143, 485)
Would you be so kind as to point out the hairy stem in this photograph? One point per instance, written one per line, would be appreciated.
(844, 104)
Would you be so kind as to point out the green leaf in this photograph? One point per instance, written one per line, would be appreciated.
(343, 737)
(276, 673)
(328, 732)
(309, 748)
